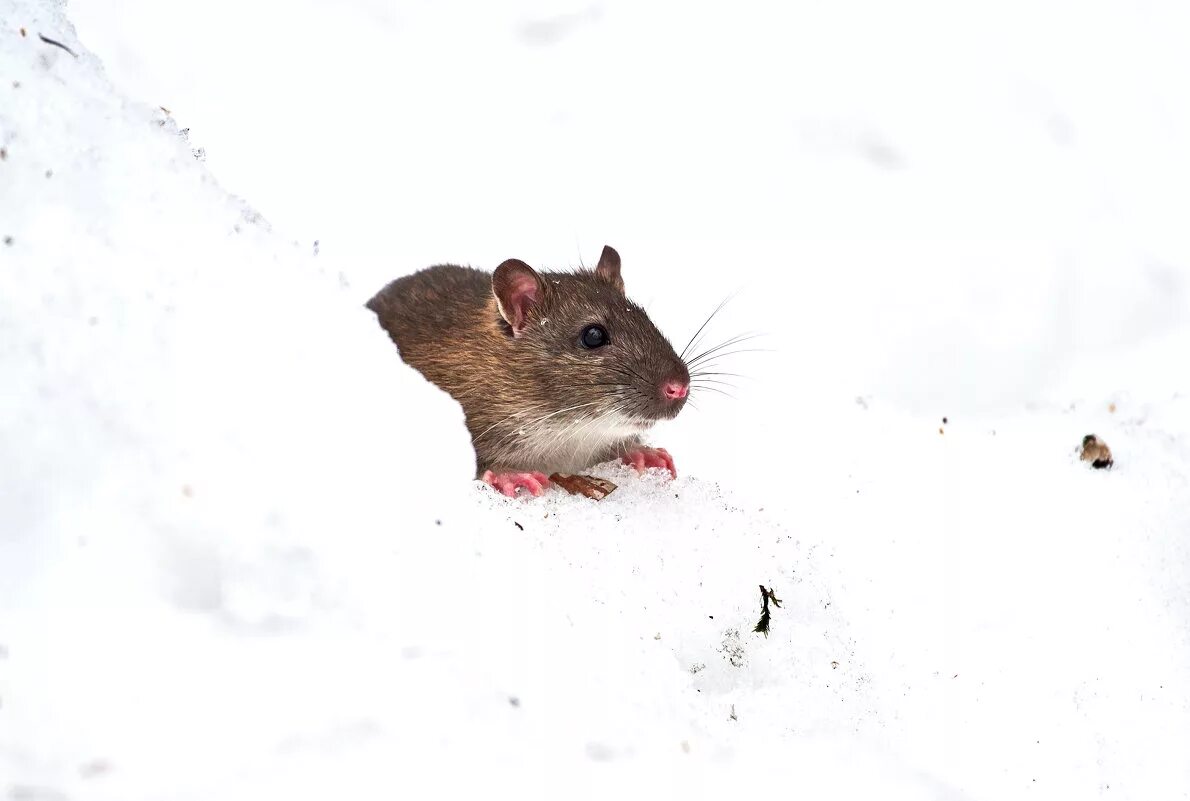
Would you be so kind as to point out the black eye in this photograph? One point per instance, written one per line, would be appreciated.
(594, 336)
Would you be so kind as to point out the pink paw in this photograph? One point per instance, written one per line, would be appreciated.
(644, 458)
(507, 483)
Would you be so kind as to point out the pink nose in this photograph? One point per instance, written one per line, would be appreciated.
(675, 389)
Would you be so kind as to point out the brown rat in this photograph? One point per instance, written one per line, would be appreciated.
(555, 371)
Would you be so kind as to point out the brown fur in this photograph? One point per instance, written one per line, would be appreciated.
(534, 398)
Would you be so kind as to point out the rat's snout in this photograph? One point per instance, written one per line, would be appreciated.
(673, 387)
(675, 390)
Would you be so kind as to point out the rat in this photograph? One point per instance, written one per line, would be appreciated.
(556, 371)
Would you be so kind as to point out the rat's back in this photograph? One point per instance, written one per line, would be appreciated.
(423, 311)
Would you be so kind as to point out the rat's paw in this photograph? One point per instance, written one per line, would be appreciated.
(507, 483)
(643, 458)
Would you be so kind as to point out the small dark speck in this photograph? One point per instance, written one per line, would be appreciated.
(514, 701)
(49, 173)
(712, 617)
(518, 525)
(944, 421)
(3, 154)
(437, 522)
(16, 84)
(8, 240)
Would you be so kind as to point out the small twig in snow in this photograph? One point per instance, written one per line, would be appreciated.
(50, 41)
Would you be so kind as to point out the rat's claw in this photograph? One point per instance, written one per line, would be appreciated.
(643, 458)
(507, 483)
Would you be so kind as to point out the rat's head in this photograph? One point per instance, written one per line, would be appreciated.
(587, 345)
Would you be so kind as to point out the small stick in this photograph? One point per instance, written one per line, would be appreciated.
(50, 41)
(590, 486)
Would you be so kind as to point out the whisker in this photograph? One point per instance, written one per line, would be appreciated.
(710, 317)
(541, 419)
(622, 370)
(582, 426)
(744, 350)
(518, 413)
(714, 389)
(736, 340)
(699, 382)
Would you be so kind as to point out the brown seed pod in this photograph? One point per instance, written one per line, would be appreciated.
(1096, 452)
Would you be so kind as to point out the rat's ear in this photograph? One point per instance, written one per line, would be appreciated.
(608, 268)
(516, 287)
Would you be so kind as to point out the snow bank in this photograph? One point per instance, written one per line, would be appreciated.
(231, 566)
(235, 565)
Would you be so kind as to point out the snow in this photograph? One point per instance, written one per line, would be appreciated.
(240, 552)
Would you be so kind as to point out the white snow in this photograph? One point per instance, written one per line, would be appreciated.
(241, 556)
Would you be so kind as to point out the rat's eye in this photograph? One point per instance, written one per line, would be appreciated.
(594, 336)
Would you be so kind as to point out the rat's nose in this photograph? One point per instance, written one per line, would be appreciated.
(674, 390)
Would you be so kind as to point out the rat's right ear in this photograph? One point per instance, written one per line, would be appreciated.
(516, 287)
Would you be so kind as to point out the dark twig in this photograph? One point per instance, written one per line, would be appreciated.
(50, 41)
(766, 596)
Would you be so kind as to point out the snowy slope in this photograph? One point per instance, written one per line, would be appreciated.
(240, 556)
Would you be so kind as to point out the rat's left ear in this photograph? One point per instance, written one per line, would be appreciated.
(608, 268)
(517, 289)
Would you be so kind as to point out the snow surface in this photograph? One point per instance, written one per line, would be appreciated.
(240, 554)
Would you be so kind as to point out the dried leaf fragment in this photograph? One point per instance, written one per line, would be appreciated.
(767, 596)
(590, 486)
